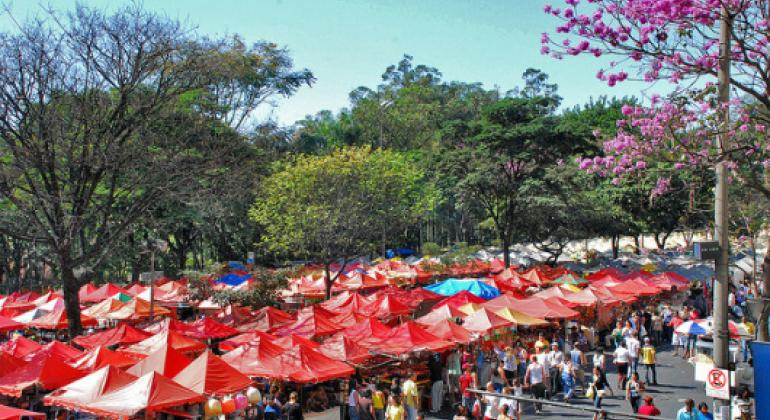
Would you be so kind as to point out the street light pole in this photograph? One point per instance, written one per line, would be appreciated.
(721, 215)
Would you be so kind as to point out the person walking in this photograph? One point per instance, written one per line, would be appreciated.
(634, 391)
(687, 412)
(743, 404)
(467, 381)
(600, 387)
(634, 346)
(365, 408)
(509, 362)
(555, 360)
(648, 408)
(491, 403)
(534, 379)
(621, 364)
(292, 410)
(568, 379)
(676, 339)
(353, 400)
(453, 372)
(657, 329)
(411, 397)
(703, 412)
(599, 360)
(617, 334)
(378, 404)
(395, 410)
(648, 360)
(579, 362)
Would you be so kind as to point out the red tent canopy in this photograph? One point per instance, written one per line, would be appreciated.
(501, 302)
(459, 299)
(20, 346)
(422, 294)
(86, 290)
(610, 272)
(150, 392)
(163, 360)
(636, 287)
(9, 363)
(305, 365)
(535, 277)
(57, 320)
(89, 388)
(210, 375)
(100, 356)
(510, 280)
(387, 306)
(346, 302)
(135, 289)
(258, 358)
(268, 319)
(551, 292)
(137, 308)
(290, 341)
(587, 298)
(608, 296)
(105, 291)
(484, 321)
(450, 331)
(56, 349)
(245, 338)
(544, 309)
(366, 331)
(343, 349)
(233, 315)
(46, 371)
(312, 321)
(123, 334)
(439, 314)
(7, 324)
(409, 337)
(10, 413)
(103, 308)
(670, 280)
(173, 339)
(206, 327)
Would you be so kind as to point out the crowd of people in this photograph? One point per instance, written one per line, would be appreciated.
(545, 365)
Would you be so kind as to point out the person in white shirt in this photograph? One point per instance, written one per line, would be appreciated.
(492, 403)
(634, 346)
(555, 360)
(621, 363)
(599, 360)
(534, 378)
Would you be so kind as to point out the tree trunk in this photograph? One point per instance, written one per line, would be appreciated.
(762, 324)
(638, 245)
(328, 281)
(615, 246)
(71, 287)
(506, 253)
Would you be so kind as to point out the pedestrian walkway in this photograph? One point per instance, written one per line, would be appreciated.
(676, 383)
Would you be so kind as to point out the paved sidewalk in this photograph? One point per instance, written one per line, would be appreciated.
(676, 383)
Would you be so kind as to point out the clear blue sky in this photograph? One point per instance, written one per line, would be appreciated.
(348, 43)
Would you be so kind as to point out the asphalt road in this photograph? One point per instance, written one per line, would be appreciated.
(676, 383)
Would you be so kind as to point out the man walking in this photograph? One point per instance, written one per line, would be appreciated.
(555, 360)
(648, 360)
(578, 363)
(634, 346)
(534, 379)
(411, 396)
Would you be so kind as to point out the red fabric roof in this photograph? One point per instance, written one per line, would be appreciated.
(20, 346)
(10, 413)
(290, 341)
(103, 292)
(258, 358)
(103, 308)
(100, 357)
(343, 349)
(135, 289)
(387, 306)
(367, 331)
(150, 392)
(7, 324)
(233, 315)
(605, 272)
(636, 287)
(46, 371)
(86, 290)
(551, 292)
(305, 365)
(450, 331)
(587, 298)
(501, 302)
(268, 319)
(123, 334)
(137, 308)
(173, 339)
(312, 321)
(409, 337)
(245, 338)
(9, 363)
(440, 314)
(205, 328)
(484, 321)
(89, 388)
(164, 360)
(535, 277)
(347, 302)
(57, 320)
(459, 299)
(210, 375)
(544, 309)
(56, 349)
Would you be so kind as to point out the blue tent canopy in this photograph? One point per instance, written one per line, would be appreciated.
(477, 287)
(233, 279)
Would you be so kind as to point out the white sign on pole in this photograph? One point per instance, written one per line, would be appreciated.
(718, 384)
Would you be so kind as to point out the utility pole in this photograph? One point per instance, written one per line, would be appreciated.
(721, 215)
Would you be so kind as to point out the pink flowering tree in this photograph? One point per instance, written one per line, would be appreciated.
(677, 42)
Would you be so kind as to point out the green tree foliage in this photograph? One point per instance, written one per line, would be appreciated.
(340, 205)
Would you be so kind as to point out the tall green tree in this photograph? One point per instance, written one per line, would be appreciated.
(338, 206)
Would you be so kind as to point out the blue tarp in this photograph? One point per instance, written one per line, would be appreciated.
(233, 279)
(235, 265)
(760, 352)
(449, 287)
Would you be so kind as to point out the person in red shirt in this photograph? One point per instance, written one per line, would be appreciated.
(648, 408)
(676, 340)
(467, 380)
